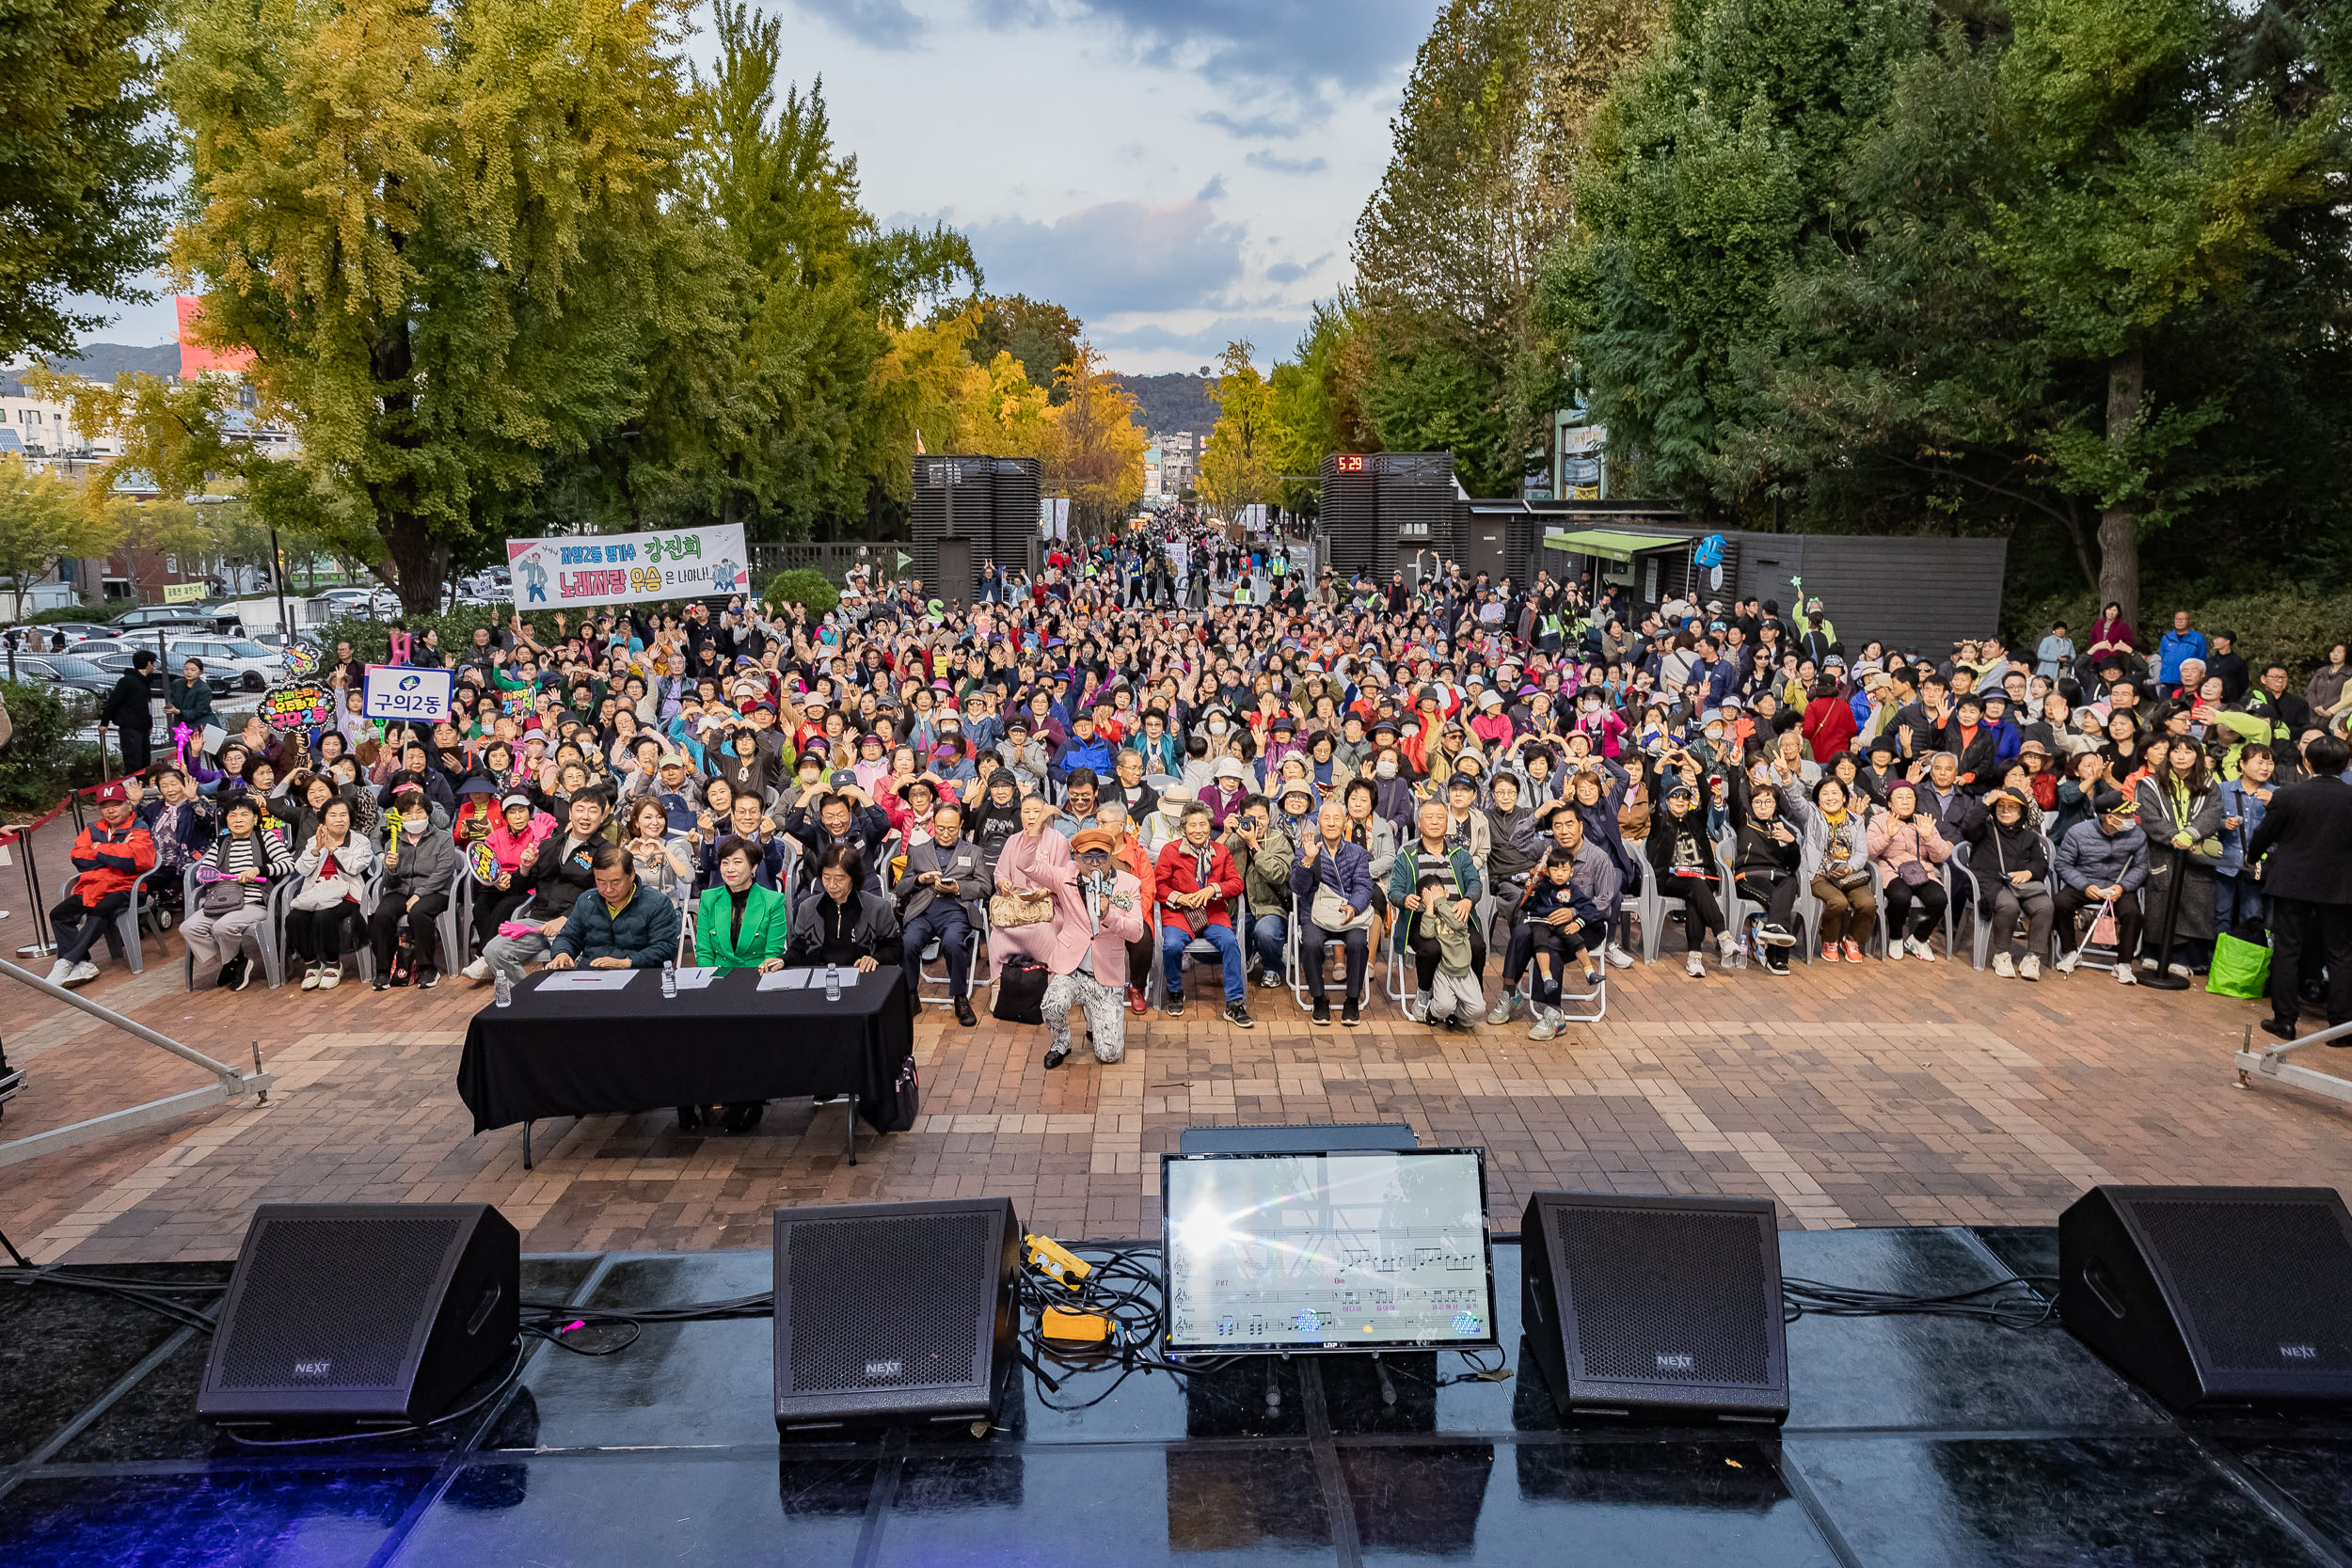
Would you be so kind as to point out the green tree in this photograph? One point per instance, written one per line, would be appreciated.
(1315, 401)
(43, 520)
(1039, 334)
(1243, 461)
(440, 229)
(82, 157)
(1480, 184)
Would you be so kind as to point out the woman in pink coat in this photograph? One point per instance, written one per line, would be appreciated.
(1097, 911)
(1035, 860)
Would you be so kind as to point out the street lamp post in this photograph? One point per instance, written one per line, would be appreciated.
(277, 581)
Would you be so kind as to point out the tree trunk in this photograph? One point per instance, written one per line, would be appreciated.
(2119, 526)
(413, 564)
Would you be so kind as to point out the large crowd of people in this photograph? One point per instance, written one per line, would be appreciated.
(1178, 751)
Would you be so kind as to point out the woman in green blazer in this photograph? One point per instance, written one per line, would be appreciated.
(739, 923)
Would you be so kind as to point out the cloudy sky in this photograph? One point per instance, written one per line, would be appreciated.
(1177, 172)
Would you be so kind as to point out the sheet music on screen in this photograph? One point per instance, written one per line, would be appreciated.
(1343, 1251)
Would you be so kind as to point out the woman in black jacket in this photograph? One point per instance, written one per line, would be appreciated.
(2011, 867)
(1766, 852)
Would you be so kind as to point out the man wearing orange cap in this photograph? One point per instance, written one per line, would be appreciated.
(1097, 912)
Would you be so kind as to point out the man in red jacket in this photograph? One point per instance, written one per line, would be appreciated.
(1198, 885)
(111, 854)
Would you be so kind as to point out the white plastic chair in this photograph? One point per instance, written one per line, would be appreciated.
(1295, 968)
(943, 997)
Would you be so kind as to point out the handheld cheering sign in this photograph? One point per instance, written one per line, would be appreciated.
(397, 693)
(481, 861)
(302, 661)
(298, 705)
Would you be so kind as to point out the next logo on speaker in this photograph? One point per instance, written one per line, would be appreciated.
(1674, 1363)
(2298, 1352)
(313, 1368)
(877, 1369)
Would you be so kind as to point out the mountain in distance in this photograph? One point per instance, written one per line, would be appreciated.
(102, 362)
(1176, 400)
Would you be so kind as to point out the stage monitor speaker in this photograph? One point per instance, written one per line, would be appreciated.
(366, 1312)
(2212, 1295)
(893, 1312)
(1664, 1308)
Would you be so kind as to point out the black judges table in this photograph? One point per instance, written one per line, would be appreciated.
(563, 1052)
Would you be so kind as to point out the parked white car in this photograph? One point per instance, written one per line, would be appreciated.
(255, 665)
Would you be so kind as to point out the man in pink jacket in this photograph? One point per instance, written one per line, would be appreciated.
(1097, 912)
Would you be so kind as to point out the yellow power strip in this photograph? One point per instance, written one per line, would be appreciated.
(1056, 1262)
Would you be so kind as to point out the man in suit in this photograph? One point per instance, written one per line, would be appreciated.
(940, 894)
(2309, 883)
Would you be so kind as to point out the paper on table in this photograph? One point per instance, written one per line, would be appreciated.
(588, 980)
(690, 979)
(784, 979)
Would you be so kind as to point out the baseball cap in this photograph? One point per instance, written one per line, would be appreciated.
(112, 794)
(516, 799)
(843, 779)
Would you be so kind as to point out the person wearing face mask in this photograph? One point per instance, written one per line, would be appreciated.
(419, 864)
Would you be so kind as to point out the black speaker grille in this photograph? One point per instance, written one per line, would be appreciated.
(891, 1302)
(1664, 1297)
(333, 1303)
(2264, 1287)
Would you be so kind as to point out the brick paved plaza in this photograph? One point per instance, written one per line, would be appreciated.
(1854, 1095)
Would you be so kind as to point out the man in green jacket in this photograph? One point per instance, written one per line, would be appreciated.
(620, 926)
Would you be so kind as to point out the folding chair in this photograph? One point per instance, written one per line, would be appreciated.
(924, 996)
(1807, 911)
(1654, 908)
(122, 939)
(270, 935)
(1295, 968)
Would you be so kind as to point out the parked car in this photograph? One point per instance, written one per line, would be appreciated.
(360, 601)
(151, 615)
(64, 670)
(74, 632)
(255, 665)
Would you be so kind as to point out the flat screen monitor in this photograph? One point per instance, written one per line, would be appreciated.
(1362, 1250)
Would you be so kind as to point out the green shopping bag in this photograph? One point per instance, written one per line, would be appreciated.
(2239, 969)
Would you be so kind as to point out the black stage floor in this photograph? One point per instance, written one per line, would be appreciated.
(1913, 1441)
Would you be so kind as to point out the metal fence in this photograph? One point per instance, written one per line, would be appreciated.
(881, 561)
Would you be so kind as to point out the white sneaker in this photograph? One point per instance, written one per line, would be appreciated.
(1619, 957)
(2002, 967)
(2031, 969)
(2067, 962)
(83, 974)
(1727, 946)
(310, 978)
(60, 971)
(2124, 975)
(478, 971)
(1922, 951)
(1895, 948)
(1416, 1007)
(2181, 970)
(1697, 967)
(331, 977)
(1779, 936)
(1502, 1013)
(1547, 1025)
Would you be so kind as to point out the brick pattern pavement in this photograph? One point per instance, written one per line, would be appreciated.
(1850, 1094)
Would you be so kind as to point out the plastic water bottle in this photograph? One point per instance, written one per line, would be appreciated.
(1739, 951)
(833, 982)
(669, 979)
(505, 990)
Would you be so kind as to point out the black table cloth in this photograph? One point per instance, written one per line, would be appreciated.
(590, 1053)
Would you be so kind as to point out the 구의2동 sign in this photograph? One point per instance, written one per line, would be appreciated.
(394, 691)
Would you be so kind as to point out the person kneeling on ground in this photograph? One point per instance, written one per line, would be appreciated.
(1097, 912)
(110, 855)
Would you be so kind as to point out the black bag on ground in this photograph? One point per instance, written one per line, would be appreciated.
(1021, 990)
